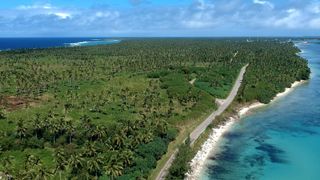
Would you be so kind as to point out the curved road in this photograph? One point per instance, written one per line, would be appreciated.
(203, 126)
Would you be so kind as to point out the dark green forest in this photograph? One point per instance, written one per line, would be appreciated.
(110, 111)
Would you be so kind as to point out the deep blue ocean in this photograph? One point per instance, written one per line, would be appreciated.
(281, 141)
(30, 43)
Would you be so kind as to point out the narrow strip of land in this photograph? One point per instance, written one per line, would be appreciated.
(202, 127)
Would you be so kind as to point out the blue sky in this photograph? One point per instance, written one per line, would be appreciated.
(58, 18)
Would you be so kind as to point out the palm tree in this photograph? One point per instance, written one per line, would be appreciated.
(71, 130)
(66, 108)
(85, 119)
(37, 125)
(118, 140)
(21, 129)
(94, 166)
(126, 156)
(161, 126)
(61, 163)
(30, 164)
(42, 173)
(128, 127)
(54, 130)
(148, 136)
(62, 123)
(113, 168)
(31, 161)
(7, 164)
(90, 150)
(86, 123)
(27, 174)
(76, 163)
(97, 133)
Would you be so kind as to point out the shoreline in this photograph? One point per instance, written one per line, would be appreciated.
(208, 147)
(199, 160)
(245, 110)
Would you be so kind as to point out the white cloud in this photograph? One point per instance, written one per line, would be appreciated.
(266, 3)
(199, 16)
(107, 14)
(201, 19)
(315, 23)
(62, 15)
(43, 9)
(293, 19)
(202, 5)
(35, 6)
(314, 8)
(196, 23)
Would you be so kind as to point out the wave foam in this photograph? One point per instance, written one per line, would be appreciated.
(77, 43)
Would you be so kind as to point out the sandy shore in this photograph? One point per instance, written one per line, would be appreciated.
(288, 90)
(208, 148)
(245, 110)
(198, 162)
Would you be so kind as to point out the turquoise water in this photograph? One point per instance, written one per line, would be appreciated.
(278, 142)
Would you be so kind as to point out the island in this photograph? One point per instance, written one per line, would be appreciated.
(120, 111)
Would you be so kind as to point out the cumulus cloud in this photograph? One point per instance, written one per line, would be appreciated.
(35, 6)
(265, 3)
(62, 15)
(291, 20)
(200, 14)
(209, 17)
(314, 7)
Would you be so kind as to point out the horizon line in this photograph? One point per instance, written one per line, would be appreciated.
(305, 36)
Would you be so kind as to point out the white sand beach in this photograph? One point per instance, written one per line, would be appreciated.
(199, 160)
(208, 148)
(288, 90)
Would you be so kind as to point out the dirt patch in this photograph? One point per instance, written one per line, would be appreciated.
(11, 103)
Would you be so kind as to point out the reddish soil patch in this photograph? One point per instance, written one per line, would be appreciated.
(11, 103)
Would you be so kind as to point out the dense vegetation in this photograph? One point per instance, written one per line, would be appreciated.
(110, 111)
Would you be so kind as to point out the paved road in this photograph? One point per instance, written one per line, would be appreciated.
(202, 127)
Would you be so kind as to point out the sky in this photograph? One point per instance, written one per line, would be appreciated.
(163, 18)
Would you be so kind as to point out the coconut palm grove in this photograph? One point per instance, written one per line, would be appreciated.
(114, 111)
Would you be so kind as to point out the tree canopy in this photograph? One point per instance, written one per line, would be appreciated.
(110, 111)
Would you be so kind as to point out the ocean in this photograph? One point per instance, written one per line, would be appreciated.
(31, 43)
(280, 141)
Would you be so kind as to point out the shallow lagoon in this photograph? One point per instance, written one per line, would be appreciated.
(279, 141)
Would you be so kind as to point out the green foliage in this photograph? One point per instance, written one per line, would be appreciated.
(217, 80)
(155, 148)
(273, 67)
(176, 85)
(180, 165)
(157, 74)
(112, 110)
(2, 115)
